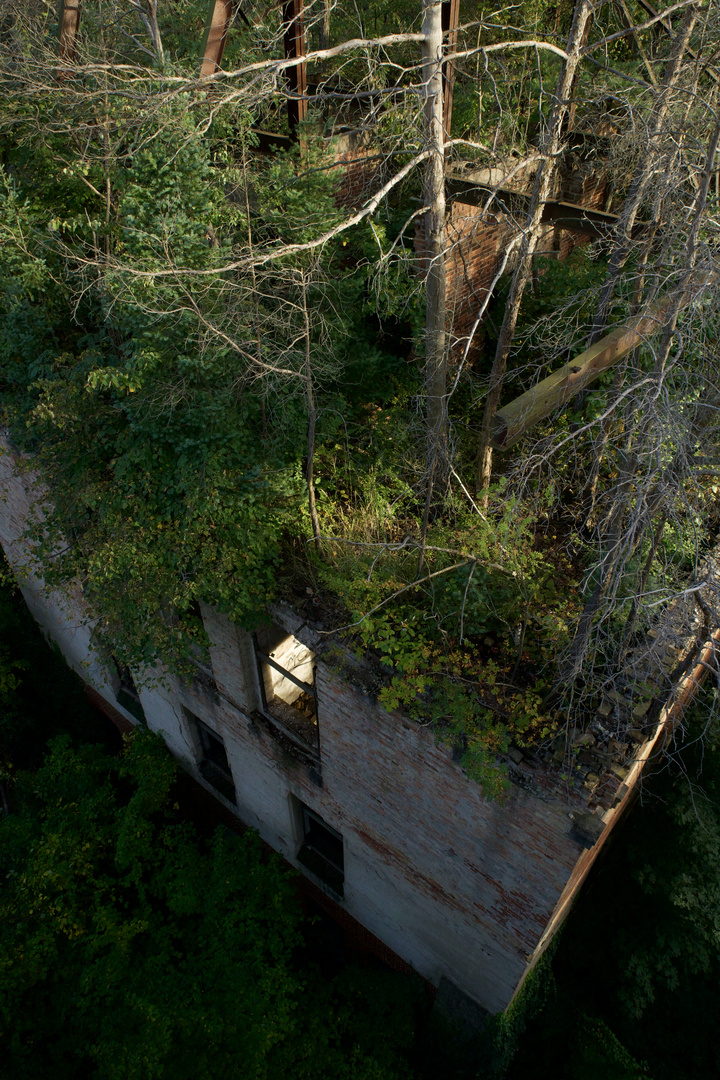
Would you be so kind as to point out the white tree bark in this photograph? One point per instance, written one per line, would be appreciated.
(435, 243)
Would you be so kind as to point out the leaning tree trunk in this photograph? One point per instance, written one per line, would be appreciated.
(550, 148)
(312, 416)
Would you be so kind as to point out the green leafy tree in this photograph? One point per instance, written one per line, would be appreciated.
(128, 949)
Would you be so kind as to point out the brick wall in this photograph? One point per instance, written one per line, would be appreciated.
(475, 246)
(477, 240)
(455, 885)
(357, 169)
(585, 184)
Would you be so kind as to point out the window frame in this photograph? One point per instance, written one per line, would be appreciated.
(126, 692)
(219, 776)
(312, 857)
(287, 731)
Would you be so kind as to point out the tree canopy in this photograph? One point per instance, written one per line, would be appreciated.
(131, 948)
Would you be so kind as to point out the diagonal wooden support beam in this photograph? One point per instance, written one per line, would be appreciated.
(294, 39)
(69, 24)
(512, 421)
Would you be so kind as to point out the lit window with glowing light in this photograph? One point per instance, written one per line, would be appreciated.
(287, 683)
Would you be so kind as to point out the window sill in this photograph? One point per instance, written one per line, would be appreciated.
(332, 879)
(217, 779)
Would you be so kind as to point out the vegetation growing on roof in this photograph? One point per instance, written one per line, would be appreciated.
(226, 372)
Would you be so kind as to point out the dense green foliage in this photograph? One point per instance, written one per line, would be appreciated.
(224, 380)
(130, 949)
(36, 689)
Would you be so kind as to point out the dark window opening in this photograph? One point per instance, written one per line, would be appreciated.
(195, 610)
(214, 766)
(287, 683)
(321, 851)
(126, 692)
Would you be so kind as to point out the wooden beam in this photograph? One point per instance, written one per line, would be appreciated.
(512, 421)
(216, 36)
(594, 223)
(294, 40)
(69, 22)
(268, 141)
(450, 22)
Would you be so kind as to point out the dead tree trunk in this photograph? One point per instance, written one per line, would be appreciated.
(550, 147)
(435, 242)
(644, 171)
(69, 23)
(616, 542)
(324, 28)
(312, 416)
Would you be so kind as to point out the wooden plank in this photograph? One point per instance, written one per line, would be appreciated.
(268, 141)
(595, 223)
(285, 673)
(512, 421)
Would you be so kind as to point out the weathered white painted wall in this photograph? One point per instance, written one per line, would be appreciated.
(63, 615)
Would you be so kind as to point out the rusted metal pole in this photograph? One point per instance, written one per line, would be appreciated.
(69, 23)
(450, 21)
(216, 37)
(294, 39)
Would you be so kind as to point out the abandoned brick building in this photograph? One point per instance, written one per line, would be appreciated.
(287, 735)
(285, 731)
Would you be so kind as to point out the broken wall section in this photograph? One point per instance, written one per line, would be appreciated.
(482, 226)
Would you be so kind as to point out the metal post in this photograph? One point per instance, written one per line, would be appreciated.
(450, 22)
(297, 74)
